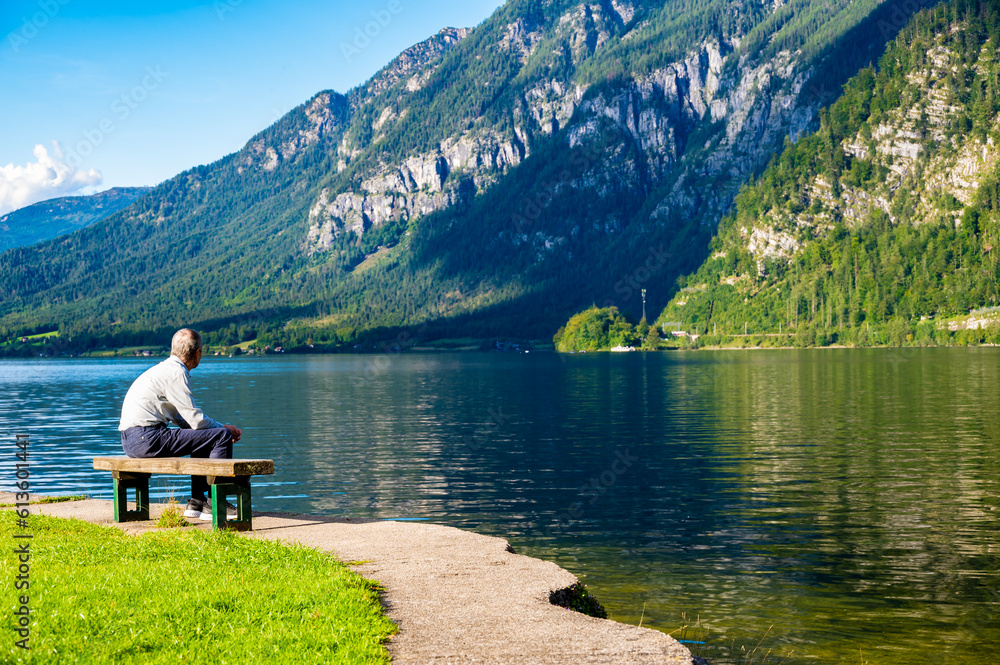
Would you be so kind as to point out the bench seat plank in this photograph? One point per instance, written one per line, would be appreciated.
(186, 466)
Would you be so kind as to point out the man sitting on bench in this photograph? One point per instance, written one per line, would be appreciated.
(161, 395)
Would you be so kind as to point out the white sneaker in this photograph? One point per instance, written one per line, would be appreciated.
(206, 511)
(194, 507)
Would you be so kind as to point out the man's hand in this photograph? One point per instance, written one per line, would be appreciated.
(237, 433)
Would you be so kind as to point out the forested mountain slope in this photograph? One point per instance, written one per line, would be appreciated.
(56, 217)
(884, 222)
(488, 181)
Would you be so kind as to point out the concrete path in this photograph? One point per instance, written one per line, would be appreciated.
(457, 596)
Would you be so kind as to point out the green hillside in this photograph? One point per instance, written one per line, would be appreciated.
(55, 217)
(487, 182)
(883, 226)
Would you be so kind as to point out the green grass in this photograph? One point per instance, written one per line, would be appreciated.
(172, 517)
(51, 333)
(51, 499)
(32, 339)
(155, 351)
(100, 596)
(62, 499)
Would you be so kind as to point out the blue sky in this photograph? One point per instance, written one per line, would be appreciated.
(136, 92)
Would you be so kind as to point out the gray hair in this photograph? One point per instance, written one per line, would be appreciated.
(185, 344)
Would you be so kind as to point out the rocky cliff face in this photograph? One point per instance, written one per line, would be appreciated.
(415, 64)
(889, 215)
(921, 159)
(321, 118)
(421, 185)
(752, 106)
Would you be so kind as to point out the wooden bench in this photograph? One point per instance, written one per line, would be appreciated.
(226, 477)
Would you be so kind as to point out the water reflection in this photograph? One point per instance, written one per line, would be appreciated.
(846, 498)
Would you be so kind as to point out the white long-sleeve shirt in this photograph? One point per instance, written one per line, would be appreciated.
(162, 395)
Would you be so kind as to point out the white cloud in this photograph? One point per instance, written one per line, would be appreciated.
(47, 178)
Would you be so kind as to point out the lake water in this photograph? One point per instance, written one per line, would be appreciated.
(840, 504)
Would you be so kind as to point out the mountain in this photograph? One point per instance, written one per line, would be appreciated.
(487, 182)
(882, 226)
(56, 217)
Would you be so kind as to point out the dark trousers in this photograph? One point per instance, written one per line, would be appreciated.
(163, 441)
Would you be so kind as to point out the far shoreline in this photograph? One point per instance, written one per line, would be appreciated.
(151, 353)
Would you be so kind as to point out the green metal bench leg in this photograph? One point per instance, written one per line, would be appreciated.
(123, 482)
(238, 487)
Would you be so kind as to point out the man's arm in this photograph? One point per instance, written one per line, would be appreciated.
(178, 393)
